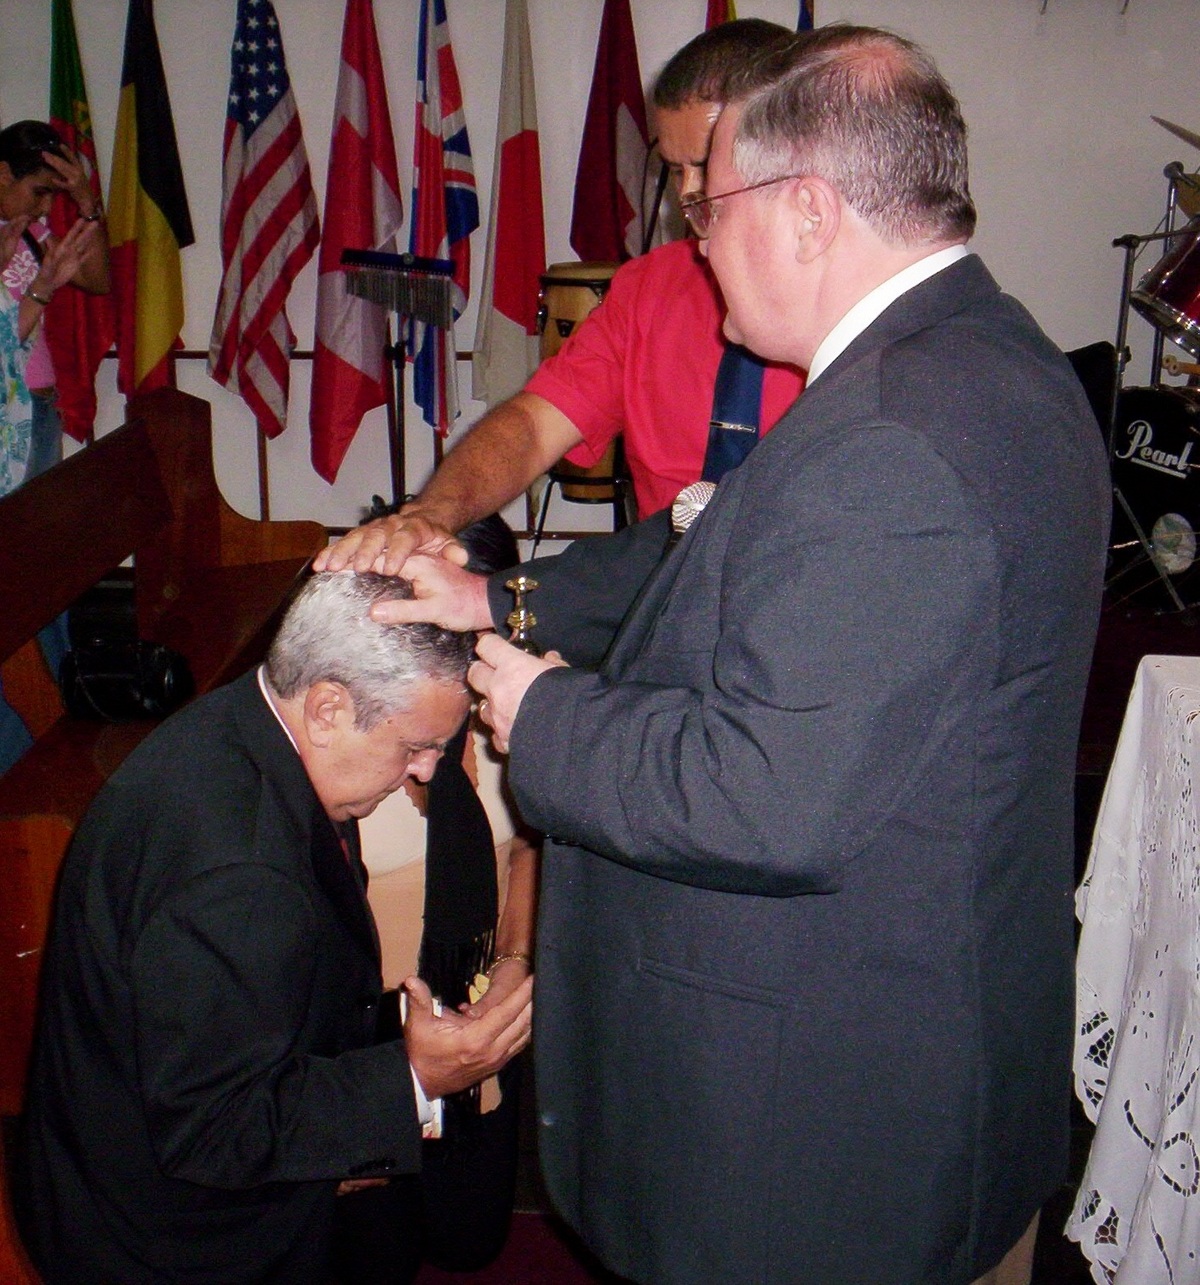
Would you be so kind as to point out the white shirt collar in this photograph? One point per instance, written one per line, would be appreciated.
(266, 691)
(871, 305)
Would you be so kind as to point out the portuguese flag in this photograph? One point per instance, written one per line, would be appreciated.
(148, 219)
(79, 326)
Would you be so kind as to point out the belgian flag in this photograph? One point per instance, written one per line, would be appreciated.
(148, 218)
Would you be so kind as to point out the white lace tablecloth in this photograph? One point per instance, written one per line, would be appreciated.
(1137, 1043)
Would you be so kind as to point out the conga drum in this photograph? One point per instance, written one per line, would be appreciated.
(569, 291)
(1168, 296)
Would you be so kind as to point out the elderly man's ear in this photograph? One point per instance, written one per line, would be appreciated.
(816, 211)
(327, 708)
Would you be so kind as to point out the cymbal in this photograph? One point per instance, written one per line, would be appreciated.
(1187, 135)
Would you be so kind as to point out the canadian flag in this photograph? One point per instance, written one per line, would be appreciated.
(363, 211)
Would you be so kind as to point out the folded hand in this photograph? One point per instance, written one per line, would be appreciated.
(454, 1051)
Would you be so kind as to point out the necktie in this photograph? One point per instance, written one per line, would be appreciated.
(737, 400)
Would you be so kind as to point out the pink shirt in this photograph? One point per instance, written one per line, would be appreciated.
(18, 275)
(645, 362)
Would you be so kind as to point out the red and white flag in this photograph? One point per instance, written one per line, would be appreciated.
(79, 326)
(268, 220)
(506, 338)
(607, 219)
(363, 211)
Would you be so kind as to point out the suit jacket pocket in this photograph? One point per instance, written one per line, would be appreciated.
(705, 1088)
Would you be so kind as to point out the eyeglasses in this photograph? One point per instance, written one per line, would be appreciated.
(701, 211)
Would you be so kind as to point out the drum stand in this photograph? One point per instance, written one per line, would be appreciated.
(1132, 246)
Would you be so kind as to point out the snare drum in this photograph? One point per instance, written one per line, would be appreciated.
(569, 292)
(1156, 468)
(1168, 296)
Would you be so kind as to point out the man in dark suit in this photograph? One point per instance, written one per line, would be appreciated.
(206, 1072)
(805, 946)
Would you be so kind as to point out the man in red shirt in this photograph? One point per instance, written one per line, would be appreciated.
(644, 363)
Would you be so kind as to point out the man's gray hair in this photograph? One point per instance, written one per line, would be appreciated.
(870, 113)
(328, 635)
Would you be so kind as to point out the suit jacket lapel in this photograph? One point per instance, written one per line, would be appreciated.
(645, 609)
(341, 879)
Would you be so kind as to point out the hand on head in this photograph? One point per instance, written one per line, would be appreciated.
(446, 595)
(385, 544)
(71, 176)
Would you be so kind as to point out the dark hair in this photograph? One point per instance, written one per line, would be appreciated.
(490, 545)
(869, 112)
(22, 145)
(700, 71)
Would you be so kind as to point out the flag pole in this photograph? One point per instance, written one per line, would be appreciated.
(394, 353)
(264, 478)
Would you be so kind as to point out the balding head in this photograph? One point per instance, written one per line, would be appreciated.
(870, 113)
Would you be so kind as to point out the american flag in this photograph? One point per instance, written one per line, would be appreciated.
(268, 220)
(445, 208)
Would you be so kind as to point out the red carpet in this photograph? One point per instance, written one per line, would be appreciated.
(539, 1252)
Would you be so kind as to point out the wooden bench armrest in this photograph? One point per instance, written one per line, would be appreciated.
(205, 532)
(31, 851)
(244, 540)
(65, 529)
(248, 601)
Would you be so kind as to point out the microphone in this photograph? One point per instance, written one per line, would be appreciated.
(689, 504)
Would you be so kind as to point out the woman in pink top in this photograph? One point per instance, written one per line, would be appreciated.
(34, 165)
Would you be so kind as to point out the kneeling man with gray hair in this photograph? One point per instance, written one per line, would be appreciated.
(206, 1073)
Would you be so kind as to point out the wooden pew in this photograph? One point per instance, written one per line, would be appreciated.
(207, 582)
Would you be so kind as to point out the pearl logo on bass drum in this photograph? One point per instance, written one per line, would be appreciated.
(1141, 450)
(1156, 470)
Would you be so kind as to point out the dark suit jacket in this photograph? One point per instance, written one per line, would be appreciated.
(805, 949)
(204, 1072)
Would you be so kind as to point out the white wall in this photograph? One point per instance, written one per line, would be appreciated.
(1064, 155)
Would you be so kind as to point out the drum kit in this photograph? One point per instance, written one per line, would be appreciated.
(1154, 432)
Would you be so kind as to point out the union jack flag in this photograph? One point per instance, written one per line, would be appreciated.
(445, 208)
